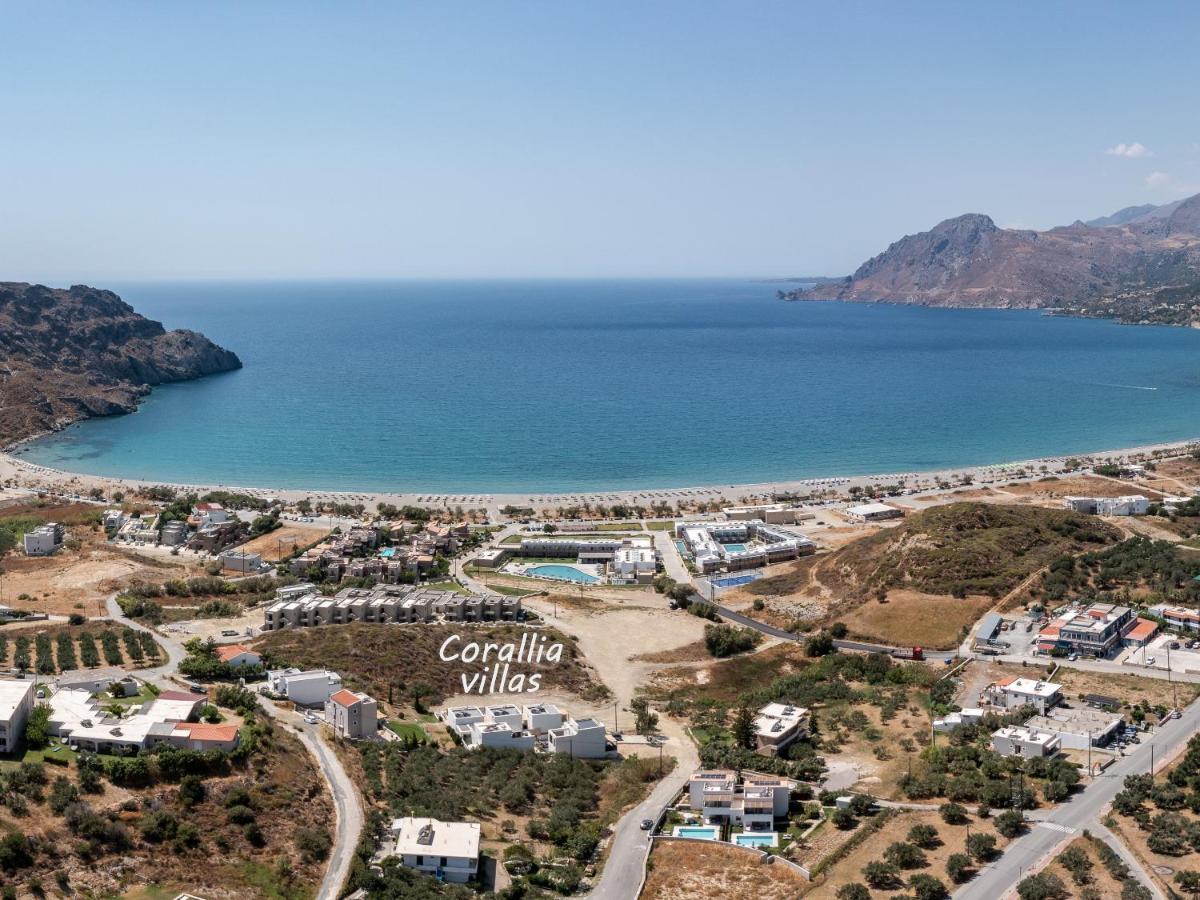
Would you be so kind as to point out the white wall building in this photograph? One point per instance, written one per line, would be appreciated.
(445, 850)
(1029, 743)
(44, 540)
(1011, 693)
(541, 717)
(16, 703)
(311, 688)
(499, 736)
(580, 738)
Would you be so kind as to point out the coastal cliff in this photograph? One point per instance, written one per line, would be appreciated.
(1141, 264)
(71, 354)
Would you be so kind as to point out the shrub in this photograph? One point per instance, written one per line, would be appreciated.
(953, 813)
(958, 867)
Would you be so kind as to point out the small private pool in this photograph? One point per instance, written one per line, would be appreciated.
(387, 552)
(747, 839)
(562, 573)
(734, 548)
(696, 832)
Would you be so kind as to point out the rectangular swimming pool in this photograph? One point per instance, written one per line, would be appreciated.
(746, 839)
(732, 580)
(734, 548)
(697, 832)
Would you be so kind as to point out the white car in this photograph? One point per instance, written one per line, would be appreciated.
(310, 718)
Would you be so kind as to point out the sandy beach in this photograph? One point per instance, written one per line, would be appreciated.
(28, 475)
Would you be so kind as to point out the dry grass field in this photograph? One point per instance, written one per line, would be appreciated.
(703, 870)
(281, 542)
(922, 620)
(381, 658)
(1100, 884)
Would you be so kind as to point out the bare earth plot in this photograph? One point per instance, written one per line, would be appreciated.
(280, 543)
(698, 870)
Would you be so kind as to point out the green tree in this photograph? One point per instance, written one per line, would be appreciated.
(926, 887)
(853, 892)
(37, 729)
(953, 813)
(1010, 823)
(923, 835)
(743, 728)
(881, 875)
(981, 847)
(1043, 886)
(958, 867)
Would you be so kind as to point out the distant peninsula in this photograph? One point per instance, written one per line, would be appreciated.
(67, 355)
(1139, 265)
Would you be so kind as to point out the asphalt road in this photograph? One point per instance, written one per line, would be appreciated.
(1077, 813)
(349, 822)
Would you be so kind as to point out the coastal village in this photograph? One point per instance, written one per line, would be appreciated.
(746, 673)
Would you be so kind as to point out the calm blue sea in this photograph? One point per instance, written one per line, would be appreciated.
(575, 385)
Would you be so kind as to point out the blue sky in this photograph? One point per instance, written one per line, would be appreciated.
(165, 140)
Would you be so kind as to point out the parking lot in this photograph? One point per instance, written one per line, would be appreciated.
(1183, 658)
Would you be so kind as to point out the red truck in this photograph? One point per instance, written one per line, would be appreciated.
(908, 653)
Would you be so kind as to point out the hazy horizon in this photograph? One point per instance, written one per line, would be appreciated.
(148, 142)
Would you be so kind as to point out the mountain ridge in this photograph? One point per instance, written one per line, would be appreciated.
(70, 354)
(968, 261)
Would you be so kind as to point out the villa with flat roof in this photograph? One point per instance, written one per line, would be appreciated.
(777, 726)
(449, 851)
(1014, 740)
(1013, 693)
(385, 604)
(754, 804)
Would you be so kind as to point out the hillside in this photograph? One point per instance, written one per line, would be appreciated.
(969, 261)
(70, 354)
(956, 550)
(374, 658)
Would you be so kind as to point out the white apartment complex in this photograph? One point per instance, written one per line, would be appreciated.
(715, 546)
(1013, 693)
(778, 725)
(44, 540)
(302, 607)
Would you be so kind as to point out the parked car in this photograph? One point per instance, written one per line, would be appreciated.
(647, 824)
(1073, 657)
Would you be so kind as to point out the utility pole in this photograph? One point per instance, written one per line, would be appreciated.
(616, 730)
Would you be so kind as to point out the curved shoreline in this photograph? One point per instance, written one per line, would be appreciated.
(12, 467)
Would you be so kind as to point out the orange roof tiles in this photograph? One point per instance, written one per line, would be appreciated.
(344, 698)
(229, 651)
(202, 731)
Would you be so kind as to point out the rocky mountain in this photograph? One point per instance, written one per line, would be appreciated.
(70, 354)
(969, 261)
(1121, 216)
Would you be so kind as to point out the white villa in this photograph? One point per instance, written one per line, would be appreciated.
(44, 540)
(311, 688)
(1013, 740)
(300, 606)
(717, 546)
(1131, 505)
(16, 703)
(754, 804)
(448, 851)
(581, 738)
(1012, 693)
(778, 725)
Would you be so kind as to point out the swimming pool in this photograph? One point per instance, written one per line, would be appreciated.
(562, 573)
(387, 552)
(770, 839)
(732, 580)
(734, 548)
(697, 832)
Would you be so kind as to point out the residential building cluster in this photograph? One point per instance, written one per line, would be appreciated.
(300, 606)
(360, 552)
(729, 546)
(209, 528)
(1132, 505)
(541, 726)
(80, 718)
(1053, 727)
(351, 714)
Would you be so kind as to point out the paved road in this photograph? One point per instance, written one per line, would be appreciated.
(621, 878)
(345, 798)
(1078, 813)
(349, 823)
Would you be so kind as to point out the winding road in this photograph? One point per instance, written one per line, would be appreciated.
(347, 805)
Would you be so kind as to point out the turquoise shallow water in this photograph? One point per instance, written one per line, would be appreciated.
(583, 385)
